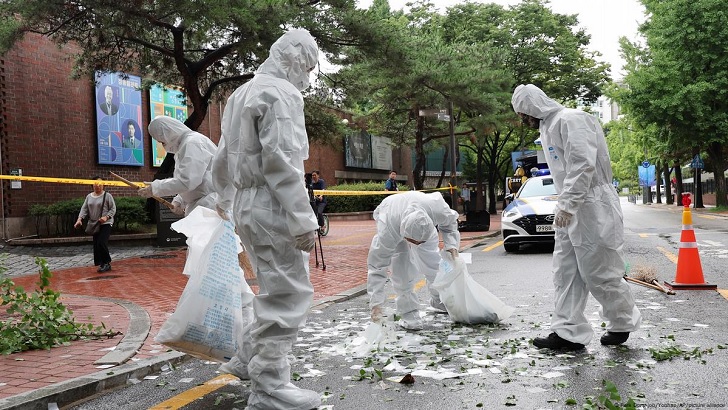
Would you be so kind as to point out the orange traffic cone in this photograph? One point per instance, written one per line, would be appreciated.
(689, 270)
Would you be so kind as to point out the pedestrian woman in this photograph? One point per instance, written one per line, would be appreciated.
(100, 208)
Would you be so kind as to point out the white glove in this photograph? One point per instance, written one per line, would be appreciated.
(221, 212)
(146, 192)
(453, 253)
(177, 209)
(377, 314)
(306, 242)
(562, 219)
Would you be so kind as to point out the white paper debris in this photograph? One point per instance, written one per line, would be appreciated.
(551, 375)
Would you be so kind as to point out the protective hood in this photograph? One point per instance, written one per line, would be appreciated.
(416, 225)
(292, 57)
(529, 99)
(168, 131)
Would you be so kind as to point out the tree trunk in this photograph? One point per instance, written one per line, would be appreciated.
(679, 187)
(668, 183)
(715, 152)
(476, 199)
(417, 172)
(658, 191)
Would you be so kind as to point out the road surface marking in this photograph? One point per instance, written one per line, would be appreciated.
(491, 247)
(195, 393)
(671, 256)
(419, 285)
(723, 292)
(644, 235)
(707, 216)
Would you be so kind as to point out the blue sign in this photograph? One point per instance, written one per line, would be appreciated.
(646, 164)
(646, 175)
(697, 163)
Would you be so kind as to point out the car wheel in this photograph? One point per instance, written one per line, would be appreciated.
(510, 247)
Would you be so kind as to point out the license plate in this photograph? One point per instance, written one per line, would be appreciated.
(544, 228)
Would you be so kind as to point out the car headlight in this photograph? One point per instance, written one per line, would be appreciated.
(513, 213)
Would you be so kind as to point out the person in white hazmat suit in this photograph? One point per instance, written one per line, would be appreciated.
(406, 243)
(257, 173)
(191, 180)
(588, 254)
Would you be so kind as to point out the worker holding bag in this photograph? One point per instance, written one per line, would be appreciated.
(407, 243)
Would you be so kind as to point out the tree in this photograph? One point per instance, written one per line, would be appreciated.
(418, 71)
(533, 45)
(681, 83)
(207, 47)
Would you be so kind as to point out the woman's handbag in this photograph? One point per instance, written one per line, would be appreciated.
(93, 225)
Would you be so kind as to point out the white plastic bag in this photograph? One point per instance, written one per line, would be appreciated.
(215, 305)
(465, 299)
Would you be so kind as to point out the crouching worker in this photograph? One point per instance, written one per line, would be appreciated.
(406, 243)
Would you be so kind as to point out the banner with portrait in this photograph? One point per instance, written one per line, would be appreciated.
(120, 136)
(170, 102)
(358, 147)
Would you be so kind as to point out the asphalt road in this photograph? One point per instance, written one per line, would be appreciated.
(678, 359)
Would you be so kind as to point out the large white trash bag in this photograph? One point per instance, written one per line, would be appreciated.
(216, 303)
(465, 299)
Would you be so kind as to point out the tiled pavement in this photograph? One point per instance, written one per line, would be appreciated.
(135, 298)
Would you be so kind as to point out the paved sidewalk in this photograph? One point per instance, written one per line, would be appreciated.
(135, 298)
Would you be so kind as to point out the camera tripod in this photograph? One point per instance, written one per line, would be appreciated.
(319, 248)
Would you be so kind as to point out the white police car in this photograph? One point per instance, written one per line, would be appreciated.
(529, 217)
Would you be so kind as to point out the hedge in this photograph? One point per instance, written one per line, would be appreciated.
(354, 203)
(130, 216)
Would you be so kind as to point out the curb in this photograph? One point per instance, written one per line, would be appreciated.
(81, 388)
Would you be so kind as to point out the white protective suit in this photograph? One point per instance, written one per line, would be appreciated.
(588, 251)
(411, 215)
(257, 173)
(193, 154)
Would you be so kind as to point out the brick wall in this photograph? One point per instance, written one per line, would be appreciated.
(48, 128)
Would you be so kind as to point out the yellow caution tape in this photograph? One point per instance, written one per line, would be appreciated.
(66, 180)
(342, 193)
(141, 184)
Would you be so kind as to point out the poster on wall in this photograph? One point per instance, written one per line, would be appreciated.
(358, 148)
(381, 153)
(120, 136)
(170, 102)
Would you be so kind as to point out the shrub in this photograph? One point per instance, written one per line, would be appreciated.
(130, 215)
(354, 203)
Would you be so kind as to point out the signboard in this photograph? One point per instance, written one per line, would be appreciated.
(166, 236)
(646, 174)
(381, 153)
(697, 163)
(120, 137)
(358, 147)
(170, 102)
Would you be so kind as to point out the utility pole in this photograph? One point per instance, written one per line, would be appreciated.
(453, 160)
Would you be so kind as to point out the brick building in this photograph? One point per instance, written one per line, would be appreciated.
(48, 129)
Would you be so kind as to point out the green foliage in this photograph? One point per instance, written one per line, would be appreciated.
(678, 81)
(208, 48)
(39, 320)
(130, 214)
(355, 203)
(610, 399)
